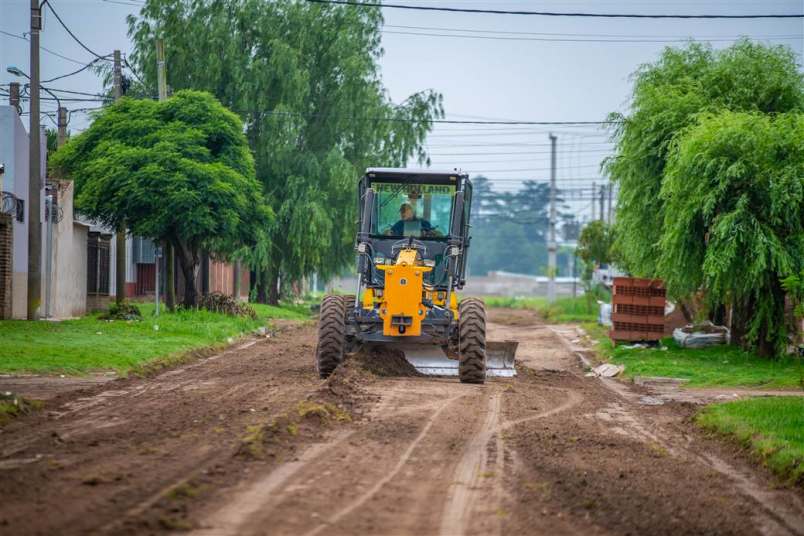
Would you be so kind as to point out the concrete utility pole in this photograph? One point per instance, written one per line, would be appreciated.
(61, 121)
(594, 193)
(603, 202)
(551, 244)
(14, 94)
(120, 235)
(611, 196)
(34, 175)
(170, 258)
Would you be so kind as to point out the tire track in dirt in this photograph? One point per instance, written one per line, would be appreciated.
(466, 488)
(778, 512)
(390, 476)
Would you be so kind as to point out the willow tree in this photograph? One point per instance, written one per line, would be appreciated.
(668, 96)
(178, 171)
(734, 218)
(305, 79)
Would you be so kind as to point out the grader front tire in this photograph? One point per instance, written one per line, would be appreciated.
(331, 335)
(472, 341)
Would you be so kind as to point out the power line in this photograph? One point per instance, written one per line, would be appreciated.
(441, 121)
(87, 94)
(85, 67)
(558, 39)
(553, 13)
(50, 6)
(53, 52)
(560, 34)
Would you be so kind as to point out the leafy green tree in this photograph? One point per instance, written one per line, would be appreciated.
(595, 244)
(734, 218)
(668, 96)
(178, 171)
(509, 229)
(305, 79)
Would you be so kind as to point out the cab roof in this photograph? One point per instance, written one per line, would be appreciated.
(415, 173)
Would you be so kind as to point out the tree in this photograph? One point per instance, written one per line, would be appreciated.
(669, 225)
(509, 229)
(734, 218)
(595, 243)
(669, 96)
(305, 79)
(178, 171)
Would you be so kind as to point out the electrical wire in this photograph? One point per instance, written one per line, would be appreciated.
(559, 39)
(85, 67)
(53, 52)
(558, 34)
(67, 29)
(351, 3)
(441, 121)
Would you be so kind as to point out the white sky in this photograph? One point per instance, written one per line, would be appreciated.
(479, 78)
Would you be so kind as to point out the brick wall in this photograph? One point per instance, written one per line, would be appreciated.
(6, 252)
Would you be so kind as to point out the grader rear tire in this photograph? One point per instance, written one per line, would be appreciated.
(472, 341)
(331, 335)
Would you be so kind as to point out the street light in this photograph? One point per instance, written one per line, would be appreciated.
(16, 71)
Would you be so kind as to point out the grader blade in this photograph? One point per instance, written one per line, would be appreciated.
(432, 361)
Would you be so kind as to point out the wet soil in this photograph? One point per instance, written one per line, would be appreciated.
(252, 442)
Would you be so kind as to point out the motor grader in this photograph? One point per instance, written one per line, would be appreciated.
(412, 248)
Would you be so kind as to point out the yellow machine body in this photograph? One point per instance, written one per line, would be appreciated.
(401, 307)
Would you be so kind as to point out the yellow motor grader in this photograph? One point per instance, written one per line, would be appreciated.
(412, 247)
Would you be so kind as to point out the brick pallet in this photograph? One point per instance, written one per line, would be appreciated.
(637, 309)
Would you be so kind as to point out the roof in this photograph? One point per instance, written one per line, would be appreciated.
(414, 171)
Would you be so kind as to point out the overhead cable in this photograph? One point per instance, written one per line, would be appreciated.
(557, 13)
(50, 6)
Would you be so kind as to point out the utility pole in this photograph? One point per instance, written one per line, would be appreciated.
(14, 95)
(62, 125)
(603, 202)
(120, 235)
(551, 244)
(170, 258)
(594, 194)
(611, 197)
(35, 175)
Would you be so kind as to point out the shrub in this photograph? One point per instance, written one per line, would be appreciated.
(228, 305)
(124, 311)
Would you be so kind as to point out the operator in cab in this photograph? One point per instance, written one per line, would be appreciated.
(409, 224)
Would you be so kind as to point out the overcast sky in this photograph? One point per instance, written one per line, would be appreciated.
(532, 68)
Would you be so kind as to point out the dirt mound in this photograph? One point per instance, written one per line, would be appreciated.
(381, 361)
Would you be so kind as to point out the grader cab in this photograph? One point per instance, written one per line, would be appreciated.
(412, 246)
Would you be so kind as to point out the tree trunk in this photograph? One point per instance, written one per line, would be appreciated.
(190, 263)
(273, 287)
(170, 277)
(768, 345)
(686, 311)
(260, 281)
(236, 281)
(740, 318)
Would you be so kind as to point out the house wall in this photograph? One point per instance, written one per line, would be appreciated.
(221, 279)
(14, 154)
(68, 294)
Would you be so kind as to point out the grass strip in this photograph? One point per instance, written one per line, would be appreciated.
(772, 428)
(88, 343)
(716, 366)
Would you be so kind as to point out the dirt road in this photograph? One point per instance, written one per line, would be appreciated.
(251, 442)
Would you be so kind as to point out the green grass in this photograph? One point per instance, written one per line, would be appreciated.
(580, 309)
(772, 428)
(87, 344)
(726, 366)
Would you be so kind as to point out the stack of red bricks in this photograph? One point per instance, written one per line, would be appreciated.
(637, 309)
